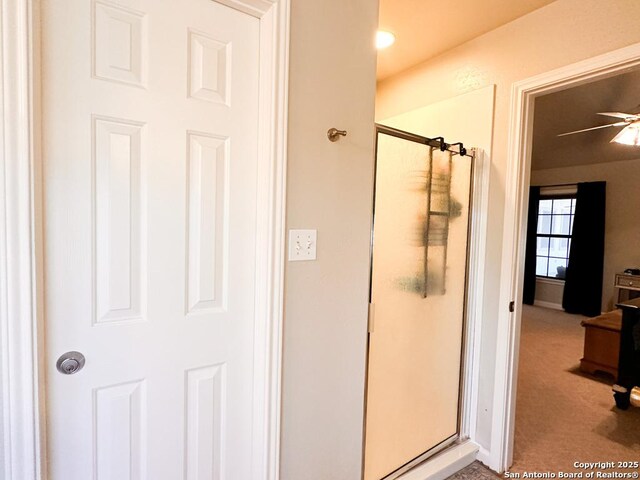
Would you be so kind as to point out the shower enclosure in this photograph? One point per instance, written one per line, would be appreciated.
(418, 291)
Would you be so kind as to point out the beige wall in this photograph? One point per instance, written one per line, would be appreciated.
(561, 33)
(622, 224)
(467, 118)
(332, 84)
(549, 292)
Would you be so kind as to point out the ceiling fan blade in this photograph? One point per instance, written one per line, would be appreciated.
(618, 114)
(617, 124)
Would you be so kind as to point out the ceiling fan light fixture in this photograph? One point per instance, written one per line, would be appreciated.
(630, 135)
(384, 39)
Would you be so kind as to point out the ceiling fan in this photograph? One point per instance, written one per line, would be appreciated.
(629, 135)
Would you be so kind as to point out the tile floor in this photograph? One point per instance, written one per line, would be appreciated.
(475, 471)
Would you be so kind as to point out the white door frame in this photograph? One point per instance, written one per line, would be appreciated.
(523, 95)
(22, 406)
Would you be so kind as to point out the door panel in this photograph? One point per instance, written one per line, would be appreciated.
(418, 285)
(150, 122)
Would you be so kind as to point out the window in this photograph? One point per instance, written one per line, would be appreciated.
(555, 225)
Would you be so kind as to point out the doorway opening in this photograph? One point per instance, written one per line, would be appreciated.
(566, 191)
(579, 239)
(446, 388)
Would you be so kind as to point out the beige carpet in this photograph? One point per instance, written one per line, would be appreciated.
(563, 415)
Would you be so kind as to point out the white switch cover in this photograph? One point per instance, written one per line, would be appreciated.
(302, 245)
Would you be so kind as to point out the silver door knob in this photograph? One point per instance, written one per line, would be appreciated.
(70, 363)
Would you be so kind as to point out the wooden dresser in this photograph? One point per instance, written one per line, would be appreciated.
(602, 343)
(628, 286)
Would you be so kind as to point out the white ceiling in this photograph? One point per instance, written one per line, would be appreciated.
(426, 28)
(576, 108)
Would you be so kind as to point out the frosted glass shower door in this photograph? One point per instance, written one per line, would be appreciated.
(418, 285)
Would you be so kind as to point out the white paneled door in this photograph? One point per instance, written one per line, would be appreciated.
(150, 151)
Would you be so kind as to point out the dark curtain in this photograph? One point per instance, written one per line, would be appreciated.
(529, 290)
(583, 283)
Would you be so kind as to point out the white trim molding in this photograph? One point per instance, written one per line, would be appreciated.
(551, 305)
(22, 444)
(272, 140)
(475, 296)
(523, 95)
(19, 324)
(255, 8)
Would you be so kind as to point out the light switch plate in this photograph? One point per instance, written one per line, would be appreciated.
(302, 245)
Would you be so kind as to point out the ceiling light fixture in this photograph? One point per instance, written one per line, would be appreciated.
(630, 135)
(384, 39)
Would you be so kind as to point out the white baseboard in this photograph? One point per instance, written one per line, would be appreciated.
(542, 303)
(444, 464)
(484, 457)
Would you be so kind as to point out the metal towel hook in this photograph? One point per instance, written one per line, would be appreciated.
(333, 134)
